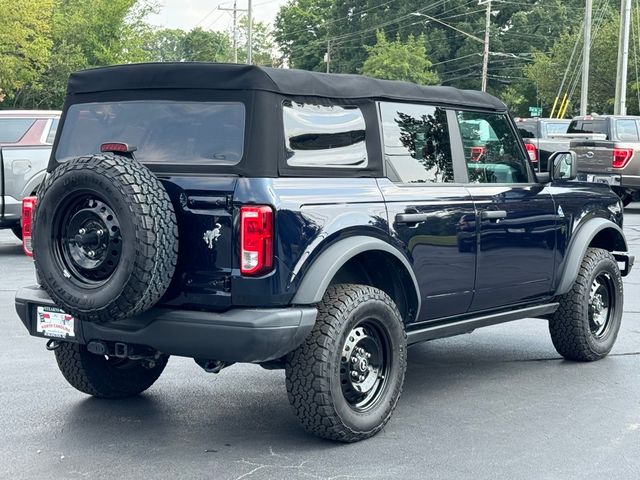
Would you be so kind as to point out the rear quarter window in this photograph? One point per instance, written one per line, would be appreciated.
(13, 129)
(588, 126)
(324, 136)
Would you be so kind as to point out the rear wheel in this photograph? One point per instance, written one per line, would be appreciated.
(103, 376)
(344, 381)
(586, 324)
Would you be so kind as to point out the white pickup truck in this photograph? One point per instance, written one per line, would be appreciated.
(25, 145)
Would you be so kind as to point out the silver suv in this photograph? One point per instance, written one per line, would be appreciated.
(25, 145)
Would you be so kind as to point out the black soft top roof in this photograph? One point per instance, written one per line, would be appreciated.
(222, 76)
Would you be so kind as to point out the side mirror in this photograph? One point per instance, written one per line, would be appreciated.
(563, 166)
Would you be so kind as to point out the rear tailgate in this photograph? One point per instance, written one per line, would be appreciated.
(594, 156)
(207, 251)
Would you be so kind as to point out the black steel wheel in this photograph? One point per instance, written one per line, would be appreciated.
(345, 379)
(105, 238)
(87, 239)
(586, 325)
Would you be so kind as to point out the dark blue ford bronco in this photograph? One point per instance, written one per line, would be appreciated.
(311, 222)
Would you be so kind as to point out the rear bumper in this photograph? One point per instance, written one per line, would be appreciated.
(611, 179)
(238, 335)
(631, 181)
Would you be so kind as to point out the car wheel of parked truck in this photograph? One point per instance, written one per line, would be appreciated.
(344, 381)
(105, 376)
(105, 238)
(586, 324)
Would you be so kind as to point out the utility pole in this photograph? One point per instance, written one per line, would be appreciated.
(328, 55)
(235, 11)
(623, 59)
(586, 54)
(485, 55)
(249, 34)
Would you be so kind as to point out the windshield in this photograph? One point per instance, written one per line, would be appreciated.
(162, 131)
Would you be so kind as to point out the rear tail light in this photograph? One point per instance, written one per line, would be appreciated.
(28, 207)
(477, 153)
(621, 157)
(256, 240)
(532, 151)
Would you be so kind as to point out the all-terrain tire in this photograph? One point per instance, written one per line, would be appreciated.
(104, 377)
(148, 242)
(314, 375)
(572, 331)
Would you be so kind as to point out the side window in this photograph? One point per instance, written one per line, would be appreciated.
(626, 130)
(324, 136)
(491, 149)
(416, 142)
(13, 129)
(52, 131)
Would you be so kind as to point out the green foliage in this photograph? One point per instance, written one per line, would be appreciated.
(399, 60)
(602, 72)
(206, 46)
(301, 31)
(25, 43)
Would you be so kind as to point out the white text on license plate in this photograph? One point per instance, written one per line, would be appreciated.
(53, 322)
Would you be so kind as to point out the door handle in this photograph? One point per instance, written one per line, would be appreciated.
(411, 217)
(493, 214)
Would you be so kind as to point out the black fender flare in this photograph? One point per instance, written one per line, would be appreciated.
(324, 268)
(578, 248)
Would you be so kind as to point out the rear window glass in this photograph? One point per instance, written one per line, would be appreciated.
(527, 130)
(13, 129)
(162, 131)
(554, 128)
(324, 136)
(588, 126)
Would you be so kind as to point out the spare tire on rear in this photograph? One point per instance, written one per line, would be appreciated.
(105, 237)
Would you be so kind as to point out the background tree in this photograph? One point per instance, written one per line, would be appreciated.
(25, 43)
(206, 46)
(301, 30)
(399, 60)
(263, 46)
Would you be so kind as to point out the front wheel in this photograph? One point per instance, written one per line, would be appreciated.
(344, 381)
(585, 326)
(106, 377)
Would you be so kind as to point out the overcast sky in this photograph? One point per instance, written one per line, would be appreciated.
(187, 14)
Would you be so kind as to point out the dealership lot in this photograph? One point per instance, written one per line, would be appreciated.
(499, 403)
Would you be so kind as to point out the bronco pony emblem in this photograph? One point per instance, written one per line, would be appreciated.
(211, 236)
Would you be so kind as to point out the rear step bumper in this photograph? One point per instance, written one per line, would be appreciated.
(237, 335)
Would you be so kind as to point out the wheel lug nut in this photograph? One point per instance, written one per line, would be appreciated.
(354, 360)
(368, 355)
(361, 378)
(82, 231)
(354, 374)
(99, 233)
(91, 253)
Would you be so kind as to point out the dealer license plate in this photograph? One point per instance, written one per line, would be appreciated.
(55, 323)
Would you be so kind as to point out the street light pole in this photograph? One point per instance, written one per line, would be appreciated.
(249, 34)
(620, 107)
(485, 55)
(586, 54)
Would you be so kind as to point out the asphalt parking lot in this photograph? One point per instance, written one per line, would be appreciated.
(499, 403)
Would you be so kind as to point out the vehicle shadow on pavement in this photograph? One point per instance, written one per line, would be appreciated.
(15, 250)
